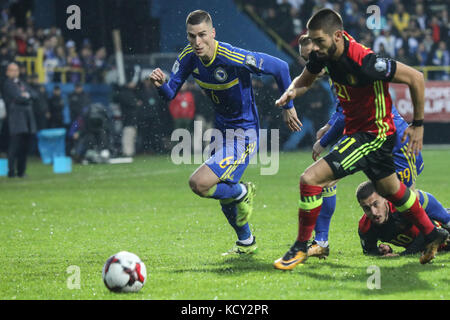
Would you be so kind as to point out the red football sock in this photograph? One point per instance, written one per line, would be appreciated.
(307, 217)
(415, 213)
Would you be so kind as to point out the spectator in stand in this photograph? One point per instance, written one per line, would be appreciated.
(382, 51)
(441, 57)
(403, 56)
(40, 103)
(50, 58)
(182, 108)
(428, 41)
(74, 62)
(388, 40)
(56, 108)
(286, 27)
(414, 36)
(5, 59)
(21, 123)
(100, 65)
(435, 26)
(21, 42)
(78, 100)
(129, 103)
(150, 122)
(420, 17)
(400, 18)
(350, 14)
(421, 55)
(88, 62)
(61, 56)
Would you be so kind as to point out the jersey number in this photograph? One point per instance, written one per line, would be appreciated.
(214, 98)
(402, 240)
(347, 144)
(341, 91)
(405, 175)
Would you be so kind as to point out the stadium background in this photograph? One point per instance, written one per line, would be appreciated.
(152, 33)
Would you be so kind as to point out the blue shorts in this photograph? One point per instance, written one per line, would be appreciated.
(231, 154)
(408, 167)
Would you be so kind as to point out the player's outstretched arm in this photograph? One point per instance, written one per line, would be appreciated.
(416, 83)
(297, 88)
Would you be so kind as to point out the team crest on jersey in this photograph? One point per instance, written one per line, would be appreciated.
(176, 67)
(220, 74)
(250, 60)
(380, 65)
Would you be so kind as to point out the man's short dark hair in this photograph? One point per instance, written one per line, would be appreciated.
(365, 190)
(197, 17)
(326, 20)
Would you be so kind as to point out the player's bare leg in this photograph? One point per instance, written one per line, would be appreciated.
(315, 177)
(408, 203)
(202, 180)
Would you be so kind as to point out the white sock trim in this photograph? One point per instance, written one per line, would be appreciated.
(323, 244)
(247, 241)
(243, 193)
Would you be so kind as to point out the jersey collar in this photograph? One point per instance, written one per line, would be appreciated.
(214, 56)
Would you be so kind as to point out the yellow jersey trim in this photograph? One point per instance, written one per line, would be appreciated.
(214, 56)
(214, 86)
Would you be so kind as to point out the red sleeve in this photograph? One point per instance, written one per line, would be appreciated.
(372, 66)
(356, 51)
(364, 224)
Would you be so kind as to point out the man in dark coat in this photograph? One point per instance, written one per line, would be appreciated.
(78, 100)
(130, 104)
(40, 104)
(56, 108)
(22, 125)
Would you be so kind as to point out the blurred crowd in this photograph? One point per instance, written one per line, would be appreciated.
(61, 57)
(413, 32)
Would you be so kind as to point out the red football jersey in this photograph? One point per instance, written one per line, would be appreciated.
(361, 82)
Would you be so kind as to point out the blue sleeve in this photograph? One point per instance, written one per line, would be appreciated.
(336, 130)
(181, 70)
(335, 115)
(262, 63)
(279, 69)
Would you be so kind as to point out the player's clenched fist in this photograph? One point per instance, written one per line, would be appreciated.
(157, 77)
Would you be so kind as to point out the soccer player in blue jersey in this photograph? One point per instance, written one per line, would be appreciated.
(224, 73)
(408, 167)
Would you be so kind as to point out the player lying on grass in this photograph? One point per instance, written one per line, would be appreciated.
(407, 166)
(224, 73)
(361, 79)
(382, 222)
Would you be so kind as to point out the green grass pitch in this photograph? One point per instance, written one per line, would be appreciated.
(50, 222)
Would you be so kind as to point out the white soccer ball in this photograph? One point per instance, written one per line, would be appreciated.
(124, 272)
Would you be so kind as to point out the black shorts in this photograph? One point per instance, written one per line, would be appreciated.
(363, 151)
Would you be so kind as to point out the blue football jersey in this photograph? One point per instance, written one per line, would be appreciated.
(226, 80)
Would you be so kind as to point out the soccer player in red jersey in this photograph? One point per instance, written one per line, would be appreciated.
(361, 79)
(382, 222)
